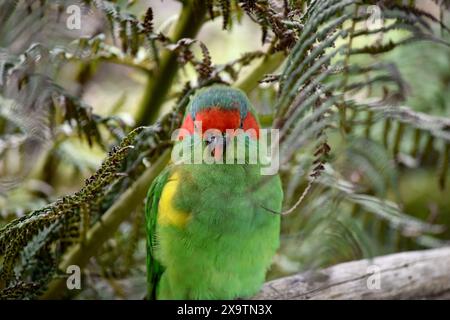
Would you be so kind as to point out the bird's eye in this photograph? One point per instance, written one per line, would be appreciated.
(210, 139)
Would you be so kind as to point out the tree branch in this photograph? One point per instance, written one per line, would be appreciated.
(407, 275)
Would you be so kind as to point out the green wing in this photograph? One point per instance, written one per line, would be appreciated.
(154, 268)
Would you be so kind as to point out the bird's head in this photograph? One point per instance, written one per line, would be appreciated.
(220, 108)
(218, 114)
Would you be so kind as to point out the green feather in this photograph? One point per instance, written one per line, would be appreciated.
(154, 268)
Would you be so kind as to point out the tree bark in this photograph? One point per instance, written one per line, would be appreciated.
(407, 275)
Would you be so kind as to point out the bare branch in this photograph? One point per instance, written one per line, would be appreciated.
(407, 275)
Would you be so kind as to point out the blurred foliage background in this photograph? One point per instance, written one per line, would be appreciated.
(359, 90)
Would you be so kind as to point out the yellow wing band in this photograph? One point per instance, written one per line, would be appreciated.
(167, 213)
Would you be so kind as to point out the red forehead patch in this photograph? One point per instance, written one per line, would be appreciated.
(218, 118)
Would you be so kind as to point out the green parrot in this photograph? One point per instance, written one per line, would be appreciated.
(213, 228)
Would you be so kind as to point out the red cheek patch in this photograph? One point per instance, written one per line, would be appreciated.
(251, 123)
(188, 127)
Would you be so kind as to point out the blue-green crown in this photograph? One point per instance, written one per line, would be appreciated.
(222, 96)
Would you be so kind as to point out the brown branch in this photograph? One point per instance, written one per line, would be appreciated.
(406, 275)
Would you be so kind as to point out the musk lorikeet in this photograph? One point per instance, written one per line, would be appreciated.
(212, 229)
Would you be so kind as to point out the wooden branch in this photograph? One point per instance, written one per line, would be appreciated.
(407, 275)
